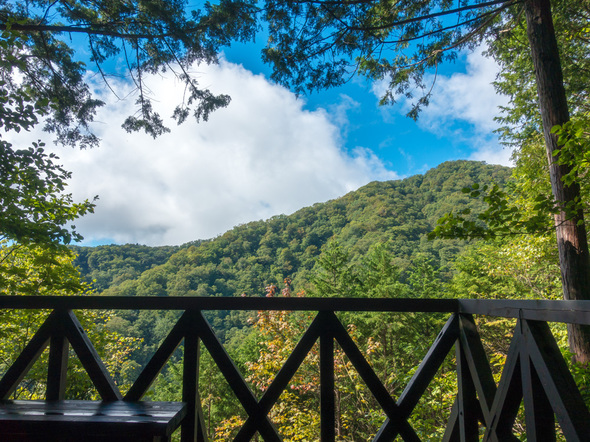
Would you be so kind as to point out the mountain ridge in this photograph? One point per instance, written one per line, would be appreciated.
(250, 256)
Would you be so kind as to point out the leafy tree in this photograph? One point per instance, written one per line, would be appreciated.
(43, 79)
(530, 205)
(520, 267)
(571, 20)
(520, 119)
(33, 206)
(335, 276)
(36, 270)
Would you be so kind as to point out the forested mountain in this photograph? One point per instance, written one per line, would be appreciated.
(110, 265)
(250, 256)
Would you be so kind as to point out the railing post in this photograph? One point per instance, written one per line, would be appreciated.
(192, 425)
(57, 368)
(327, 404)
(508, 396)
(539, 416)
(466, 399)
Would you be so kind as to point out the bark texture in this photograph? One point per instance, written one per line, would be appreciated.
(572, 241)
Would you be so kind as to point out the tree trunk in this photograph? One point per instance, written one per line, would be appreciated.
(572, 242)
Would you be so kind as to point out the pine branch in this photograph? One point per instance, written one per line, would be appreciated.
(30, 28)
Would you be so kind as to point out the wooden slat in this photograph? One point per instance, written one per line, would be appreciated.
(539, 417)
(556, 311)
(508, 395)
(282, 379)
(466, 400)
(234, 378)
(575, 312)
(228, 303)
(192, 426)
(559, 385)
(89, 358)
(423, 376)
(57, 367)
(452, 433)
(327, 392)
(478, 364)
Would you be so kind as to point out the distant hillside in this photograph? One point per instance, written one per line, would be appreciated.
(111, 265)
(251, 256)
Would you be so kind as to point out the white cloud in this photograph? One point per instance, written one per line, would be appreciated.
(493, 154)
(338, 112)
(263, 155)
(469, 97)
(463, 106)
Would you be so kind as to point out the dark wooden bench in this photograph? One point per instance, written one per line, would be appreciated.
(112, 421)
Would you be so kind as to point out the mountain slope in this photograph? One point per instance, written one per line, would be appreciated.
(253, 255)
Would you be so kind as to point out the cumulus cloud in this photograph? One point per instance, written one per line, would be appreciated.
(463, 106)
(493, 154)
(263, 155)
(469, 97)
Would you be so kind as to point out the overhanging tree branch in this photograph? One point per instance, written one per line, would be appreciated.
(422, 18)
(90, 30)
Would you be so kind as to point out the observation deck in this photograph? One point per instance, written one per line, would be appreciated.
(535, 379)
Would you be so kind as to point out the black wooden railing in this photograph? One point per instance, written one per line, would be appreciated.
(535, 373)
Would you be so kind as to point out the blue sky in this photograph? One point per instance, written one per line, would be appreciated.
(458, 125)
(269, 152)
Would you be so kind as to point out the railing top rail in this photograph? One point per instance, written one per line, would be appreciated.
(228, 303)
(577, 312)
(556, 311)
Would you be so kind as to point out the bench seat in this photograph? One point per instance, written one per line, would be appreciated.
(73, 420)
